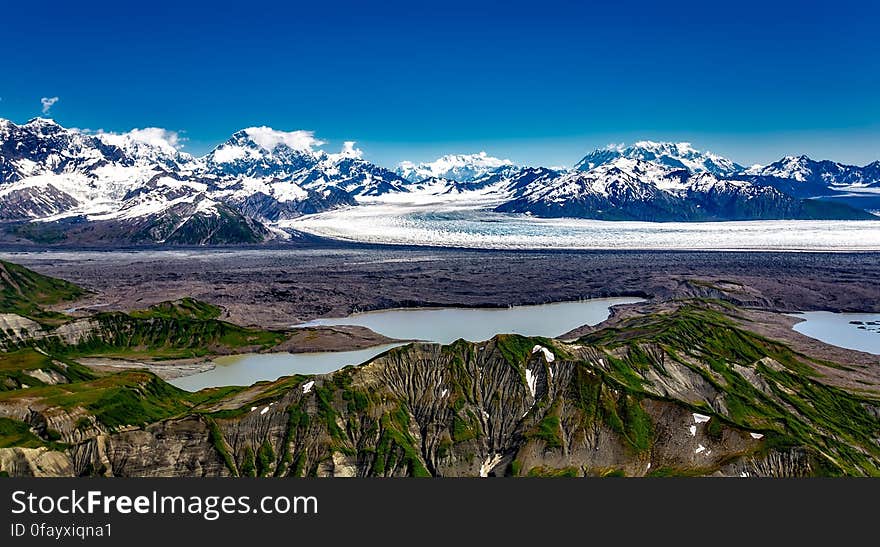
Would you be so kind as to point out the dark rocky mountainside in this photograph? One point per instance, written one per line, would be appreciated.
(673, 387)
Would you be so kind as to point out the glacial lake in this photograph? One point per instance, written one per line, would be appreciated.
(247, 369)
(446, 325)
(442, 325)
(859, 331)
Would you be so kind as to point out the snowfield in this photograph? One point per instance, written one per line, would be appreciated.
(454, 226)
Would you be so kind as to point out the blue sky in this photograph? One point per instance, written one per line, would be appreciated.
(539, 82)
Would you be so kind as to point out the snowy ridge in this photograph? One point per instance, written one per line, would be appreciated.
(49, 173)
(633, 189)
(621, 177)
(823, 173)
(141, 185)
(149, 146)
(679, 155)
(457, 167)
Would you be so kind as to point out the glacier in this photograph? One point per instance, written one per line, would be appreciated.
(452, 226)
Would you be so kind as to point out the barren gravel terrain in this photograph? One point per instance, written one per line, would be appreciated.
(277, 288)
(281, 287)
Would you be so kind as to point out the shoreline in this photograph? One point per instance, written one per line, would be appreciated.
(283, 287)
(772, 323)
(171, 369)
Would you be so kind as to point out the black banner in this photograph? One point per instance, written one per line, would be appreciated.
(410, 511)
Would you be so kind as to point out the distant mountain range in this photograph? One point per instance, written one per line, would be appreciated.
(61, 185)
(674, 155)
(457, 167)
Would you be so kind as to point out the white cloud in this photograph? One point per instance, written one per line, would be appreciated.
(268, 138)
(166, 140)
(47, 103)
(156, 136)
(349, 150)
(227, 154)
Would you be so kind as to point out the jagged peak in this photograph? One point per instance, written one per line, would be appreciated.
(152, 139)
(794, 159)
(43, 126)
(40, 121)
(682, 146)
(480, 158)
(460, 167)
(672, 154)
(269, 139)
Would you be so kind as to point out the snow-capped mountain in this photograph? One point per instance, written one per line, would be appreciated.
(635, 189)
(619, 189)
(149, 147)
(813, 176)
(295, 164)
(458, 167)
(262, 152)
(803, 169)
(184, 218)
(259, 175)
(80, 187)
(84, 174)
(679, 155)
(438, 186)
(41, 146)
(512, 181)
(354, 175)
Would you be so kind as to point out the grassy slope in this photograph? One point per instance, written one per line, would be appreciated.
(17, 367)
(183, 328)
(166, 337)
(25, 292)
(169, 330)
(185, 308)
(800, 410)
(14, 433)
(833, 425)
(164, 333)
(119, 399)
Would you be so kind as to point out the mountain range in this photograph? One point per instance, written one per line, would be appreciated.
(60, 185)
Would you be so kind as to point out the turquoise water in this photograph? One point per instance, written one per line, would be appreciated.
(859, 331)
(247, 369)
(443, 325)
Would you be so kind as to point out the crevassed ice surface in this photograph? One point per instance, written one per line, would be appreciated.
(400, 225)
